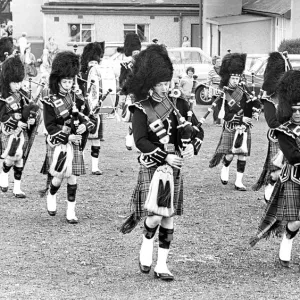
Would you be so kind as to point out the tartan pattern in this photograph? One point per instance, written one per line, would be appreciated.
(4, 141)
(78, 167)
(268, 168)
(141, 190)
(226, 142)
(284, 206)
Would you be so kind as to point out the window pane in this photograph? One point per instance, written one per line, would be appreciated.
(129, 27)
(141, 32)
(191, 57)
(74, 32)
(86, 36)
(175, 57)
(87, 26)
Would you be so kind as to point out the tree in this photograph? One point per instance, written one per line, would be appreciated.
(292, 46)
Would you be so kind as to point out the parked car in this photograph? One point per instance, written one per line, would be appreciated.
(184, 57)
(258, 70)
(256, 65)
(181, 57)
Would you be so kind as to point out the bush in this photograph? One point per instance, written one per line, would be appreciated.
(291, 46)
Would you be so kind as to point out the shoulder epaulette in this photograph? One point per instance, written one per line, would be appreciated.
(268, 99)
(139, 105)
(48, 100)
(289, 129)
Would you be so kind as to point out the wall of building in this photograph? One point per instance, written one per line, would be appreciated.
(217, 8)
(27, 16)
(110, 28)
(252, 37)
(295, 20)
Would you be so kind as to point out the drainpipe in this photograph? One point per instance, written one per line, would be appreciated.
(180, 29)
(201, 24)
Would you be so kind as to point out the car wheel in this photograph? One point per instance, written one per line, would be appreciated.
(202, 96)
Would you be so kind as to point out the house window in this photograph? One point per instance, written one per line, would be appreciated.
(280, 30)
(82, 33)
(142, 30)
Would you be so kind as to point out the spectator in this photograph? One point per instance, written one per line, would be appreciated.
(45, 66)
(214, 81)
(2, 30)
(186, 83)
(52, 47)
(186, 42)
(23, 42)
(29, 61)
(9, 28)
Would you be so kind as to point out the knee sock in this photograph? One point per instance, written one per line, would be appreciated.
(165, 237)
(5, 167)
(18, 172)
(240, 166)
(226, 162)
(53, 189)
(148, 231)
(71, 192)
(95, 151)
(289, 233)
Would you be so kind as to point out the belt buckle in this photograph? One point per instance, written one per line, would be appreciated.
(170, 148)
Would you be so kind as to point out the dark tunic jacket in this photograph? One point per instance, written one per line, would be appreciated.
(288, 136)
(148, 142)
(58, 112)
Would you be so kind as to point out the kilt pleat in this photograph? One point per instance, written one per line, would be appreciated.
(268, 168)
(225, 146)
(78, 167)
(5, 138)
(141, 190)
(284, 206)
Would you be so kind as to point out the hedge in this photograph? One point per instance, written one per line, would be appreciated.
(291, 46)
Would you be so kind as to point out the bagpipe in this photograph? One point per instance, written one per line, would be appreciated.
(29, 110)
(77, 115)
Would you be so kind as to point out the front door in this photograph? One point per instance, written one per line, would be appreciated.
(195, 40)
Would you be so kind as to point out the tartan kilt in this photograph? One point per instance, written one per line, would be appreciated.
(269, 167)
(226, 142)
(141, 190)
(78, 167)
(284, 206)
(4, 141)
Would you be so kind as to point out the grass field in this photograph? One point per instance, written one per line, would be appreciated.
(44, 257)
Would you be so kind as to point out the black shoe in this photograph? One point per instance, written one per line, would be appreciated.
(102, 139)
(224, 182)
(241, 189)
(284, 263)
(97, 173)
(144, 269)
(164, 276)
(52, 213)
(20, 196)
(72, 221)
(129, 148)
(4, 189)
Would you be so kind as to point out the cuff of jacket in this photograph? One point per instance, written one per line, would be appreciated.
(156, 157)
(11, 123)
(196, 142)
(58, 138)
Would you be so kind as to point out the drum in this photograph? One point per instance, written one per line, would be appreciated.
(108, 82)
(104, 81)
